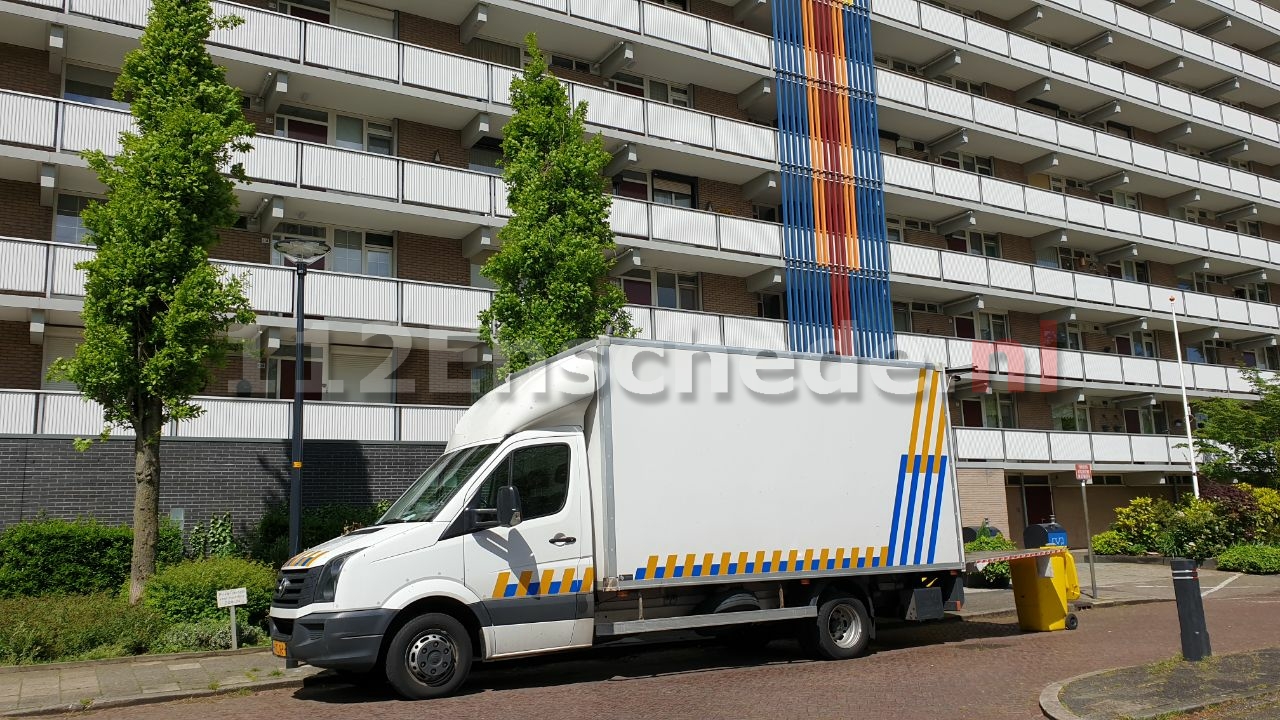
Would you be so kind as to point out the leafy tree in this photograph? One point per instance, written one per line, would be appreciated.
(552, 270)
(1241, 440)
(156, 311)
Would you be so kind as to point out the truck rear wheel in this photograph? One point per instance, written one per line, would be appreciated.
(842, 629)
(429, 657)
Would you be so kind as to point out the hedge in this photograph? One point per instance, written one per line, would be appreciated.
(78, 557)
(188, 592)
(1252, 559)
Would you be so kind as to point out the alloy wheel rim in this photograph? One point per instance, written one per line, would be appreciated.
(432, 657)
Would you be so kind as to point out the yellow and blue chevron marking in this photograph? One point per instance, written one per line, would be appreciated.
(762, 562)
(922, 477)
(305, 559)
(524, 584)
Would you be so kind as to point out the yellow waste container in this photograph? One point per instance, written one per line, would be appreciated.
(1043, 587)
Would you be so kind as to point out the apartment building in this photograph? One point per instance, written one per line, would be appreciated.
(1015, 189)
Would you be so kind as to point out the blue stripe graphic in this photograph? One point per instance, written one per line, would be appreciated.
(937, 508)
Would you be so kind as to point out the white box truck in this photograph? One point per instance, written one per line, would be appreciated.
(627, 487)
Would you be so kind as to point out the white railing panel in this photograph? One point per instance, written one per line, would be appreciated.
(1132, 294)
(443, 305)
(960, 351)
(90, 128)
(1075, 136)
(28, 120)
(1227, 243)
(23, 266)
(915, 260)
(742, 138)
(754, 333)
(629, 217)
(1149, 156)
(1263, 314)
(1237, 382)
(742, 45)
(618, 13)
(1200, 305)
(1068, 64)
(501, 208)
(125, 12)
(17, 413)
(1093, 288)
(994, 114)
(428, 424)
(268, 289)
(1003, 194)
(264, 33)
(904, 89)
(610, 109)
(500, 79)
(1254, 248)
(987, 37)
(1106, 76)
(641, 320)
(1215, 175)
(950, 102)
(1158, 228)
(446, 187)
(958, 184)
(1114, 148)
(1070, 365)
(353, 52)
(959, 267)
(1027, 446)
(678, 27)
(445, 73)
(908, 173)
(686, 327)
(1122, 220)
(979, 443)
(688, 227)
(1233, 310)
(240, 418)
(1111, 448)
(1209, 377)
(349, 171)
(906, 11)
(1070, 447)
(1100, 367)
(353, 297)
(1011, 275)
(67, 280)
(1045, 203)
(349, 421)
(750, 236)
(673, 123)
(942, 22)
(1141, 371)
(1178, 455)
(1169, 374)
(1050, 281)
(1190, 235)
(1150, 448)
(922, 348)
(1175, 99)
(72, 414)
(271, 160)
(1142, 88)
(1183, 166)
(1084, 212)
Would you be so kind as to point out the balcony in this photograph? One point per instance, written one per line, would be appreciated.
(1087, 83)
(1068, 288)
(1046, 369)
(1027, 449)
(69, 414)
(1056, 210)
(683, 326)
(1171, 170)
(473, 198)
(470, 85)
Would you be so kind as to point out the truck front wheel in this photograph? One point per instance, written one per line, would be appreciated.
(429, 657)
(842, 629)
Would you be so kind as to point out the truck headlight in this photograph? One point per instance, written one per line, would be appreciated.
(329, 575)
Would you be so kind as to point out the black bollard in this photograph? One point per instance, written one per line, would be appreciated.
(1186, 590)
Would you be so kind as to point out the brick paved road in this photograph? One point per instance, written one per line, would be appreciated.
(983, 670)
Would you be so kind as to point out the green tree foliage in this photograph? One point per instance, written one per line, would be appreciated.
(155, 311)
(552, 270)
(1241, 440)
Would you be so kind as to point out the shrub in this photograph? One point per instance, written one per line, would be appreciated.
(188, 592)
(1268, 500)
(1195, 530)
(49, 557)
(1142, 522)
(995, 572)
(217, 539)
(270, 542)
(1253, 559)
(1236, 508)
(207, 635)
(1113, 543)
(74, 627)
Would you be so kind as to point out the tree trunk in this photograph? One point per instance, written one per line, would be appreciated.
(146, 498)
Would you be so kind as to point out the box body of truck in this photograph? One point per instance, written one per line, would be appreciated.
(661, 487)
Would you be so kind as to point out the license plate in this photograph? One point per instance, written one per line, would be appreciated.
(278, 648)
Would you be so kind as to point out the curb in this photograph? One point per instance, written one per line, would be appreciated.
(1052, 707)
(154, 698)
(40, 667)
(1089, 606)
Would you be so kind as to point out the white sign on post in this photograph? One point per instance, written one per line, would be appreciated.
(230, 599)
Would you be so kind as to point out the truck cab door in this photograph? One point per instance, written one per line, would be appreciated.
(536, 579)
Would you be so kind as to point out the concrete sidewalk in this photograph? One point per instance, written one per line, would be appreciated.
(56, 688)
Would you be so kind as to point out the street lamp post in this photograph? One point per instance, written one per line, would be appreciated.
(302, 252)
(1186, 405)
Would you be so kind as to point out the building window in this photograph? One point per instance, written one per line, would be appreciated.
(967, 162)
(494, 52)
(662, 288)
(655, 90)
(975, 243)
(771, 305)
(362, 253)
(765, 213)
(1069, 336)
(482, 377)
(355, 133)
(1204, 282)
(992, 327)
(893, 229)
(1139, 343)
(1196, 215)
(673, 190)
(973, 88)
(998, 411)
(299, 123)
(298, 230)
(1257, 292)
(673, 4)
(1131, 270)
(1074, 260)
(67, 225)
(901, 317)
(314, 10)
(1063, 184)
(91, 86)
(1206, 352)
(1245, 227)
(567, 63)
(1071, 418)
(344, 131)
(1119, 199)
(486, 156)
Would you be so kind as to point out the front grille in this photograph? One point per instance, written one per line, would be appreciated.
(295, 588)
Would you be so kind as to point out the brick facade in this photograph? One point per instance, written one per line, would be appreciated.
(204, 478)
(430, 33)
(724, 198)
(432, 378)
(241, 246)
(1033, 411)
(26, 70)
(982, 497)
(932, 324)
(418, 141)
(24, 216)
(717, 102)
(728, 295)
(431, 259)
(23, 361)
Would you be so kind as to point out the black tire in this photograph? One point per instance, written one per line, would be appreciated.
(1073, 622)
(841, 631)
(429, 657)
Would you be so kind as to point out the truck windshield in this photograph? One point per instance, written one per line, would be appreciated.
(433, 488)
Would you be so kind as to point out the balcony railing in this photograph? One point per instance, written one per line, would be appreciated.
(320, 45)
(1054, 208)
(35, 121)
(1047, 366)
(709, 328)
(45, 412)
(1073, 138)
(1101, 77)
(1123, 295)
(1037, 446)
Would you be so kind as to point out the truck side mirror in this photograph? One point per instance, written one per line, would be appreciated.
(508, 506)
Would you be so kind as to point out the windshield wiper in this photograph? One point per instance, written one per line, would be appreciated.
(392, 521)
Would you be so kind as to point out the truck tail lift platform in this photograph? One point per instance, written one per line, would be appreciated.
(1045, 585)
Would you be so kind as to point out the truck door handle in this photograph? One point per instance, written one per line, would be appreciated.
(562, 539)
